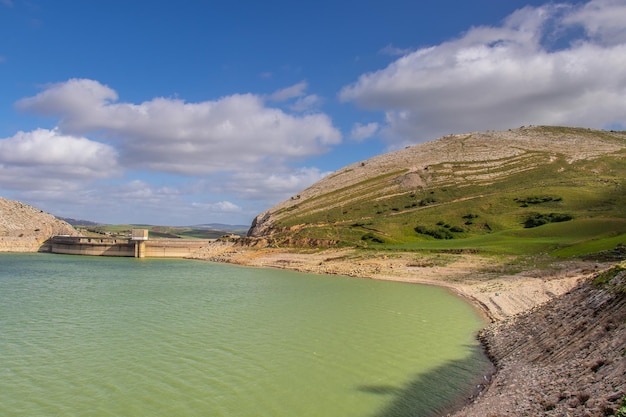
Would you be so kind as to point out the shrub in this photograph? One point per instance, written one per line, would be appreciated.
(438, 233)
(539, 219)
(525, 202)
(370, 237)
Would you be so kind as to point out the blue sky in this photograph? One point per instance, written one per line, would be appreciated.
(181, 113)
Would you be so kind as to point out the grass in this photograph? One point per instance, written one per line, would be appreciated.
(462, 211)
(559, 239)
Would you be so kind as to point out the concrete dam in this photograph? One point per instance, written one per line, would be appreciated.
(137, 246)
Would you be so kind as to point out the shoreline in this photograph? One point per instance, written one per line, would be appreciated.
(497, 297)
(486, 283)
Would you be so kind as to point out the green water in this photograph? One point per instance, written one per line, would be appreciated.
(96, 336)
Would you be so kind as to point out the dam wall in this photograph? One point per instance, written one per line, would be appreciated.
(76, 245)
(173, 248)
(107, 246)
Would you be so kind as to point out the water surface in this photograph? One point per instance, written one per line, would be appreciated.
(97, 336)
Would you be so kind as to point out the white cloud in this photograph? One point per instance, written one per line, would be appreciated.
(394, 51)
(219, 207)
(134, 201)
(234, 148)
(234, 133)
(81, 103)
(603, 20)
(47, 158)
(304, 103)
(307, 103)
(49, 147)
(294, 91)
(502, 77)
(361, 132)
(271, 186)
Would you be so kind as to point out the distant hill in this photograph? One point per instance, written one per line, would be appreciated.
(24, 228)
(202, 231)
(232, 228)
(78, 222)
(531, 189)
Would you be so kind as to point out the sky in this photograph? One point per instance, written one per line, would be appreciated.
(195, 112)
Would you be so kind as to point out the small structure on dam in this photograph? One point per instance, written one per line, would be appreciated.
(139, 238)
(137, 246)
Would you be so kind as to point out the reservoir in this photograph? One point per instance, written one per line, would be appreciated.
(99, 336)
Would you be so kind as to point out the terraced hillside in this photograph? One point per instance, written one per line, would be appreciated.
(532, 189)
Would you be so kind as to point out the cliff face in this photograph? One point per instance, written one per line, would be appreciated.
(24, 228)
(567, 357)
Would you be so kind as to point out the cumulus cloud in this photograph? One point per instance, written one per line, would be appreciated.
(602, 20)
(49, 147)
(272, 186)
(49, 159)
(506, 76)
(361, 132)
(233, 133)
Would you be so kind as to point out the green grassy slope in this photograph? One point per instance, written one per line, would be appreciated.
(539, 190)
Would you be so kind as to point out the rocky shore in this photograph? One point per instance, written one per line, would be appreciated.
(557, 340)
(564, 358)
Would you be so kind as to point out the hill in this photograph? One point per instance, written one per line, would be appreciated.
(24, 228)
(529, 190)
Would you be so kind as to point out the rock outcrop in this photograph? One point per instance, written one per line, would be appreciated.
(564, 358)
(24, 228)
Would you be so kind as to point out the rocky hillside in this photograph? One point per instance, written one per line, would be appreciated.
(24, 228)
(565, 358)
(463, 186)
